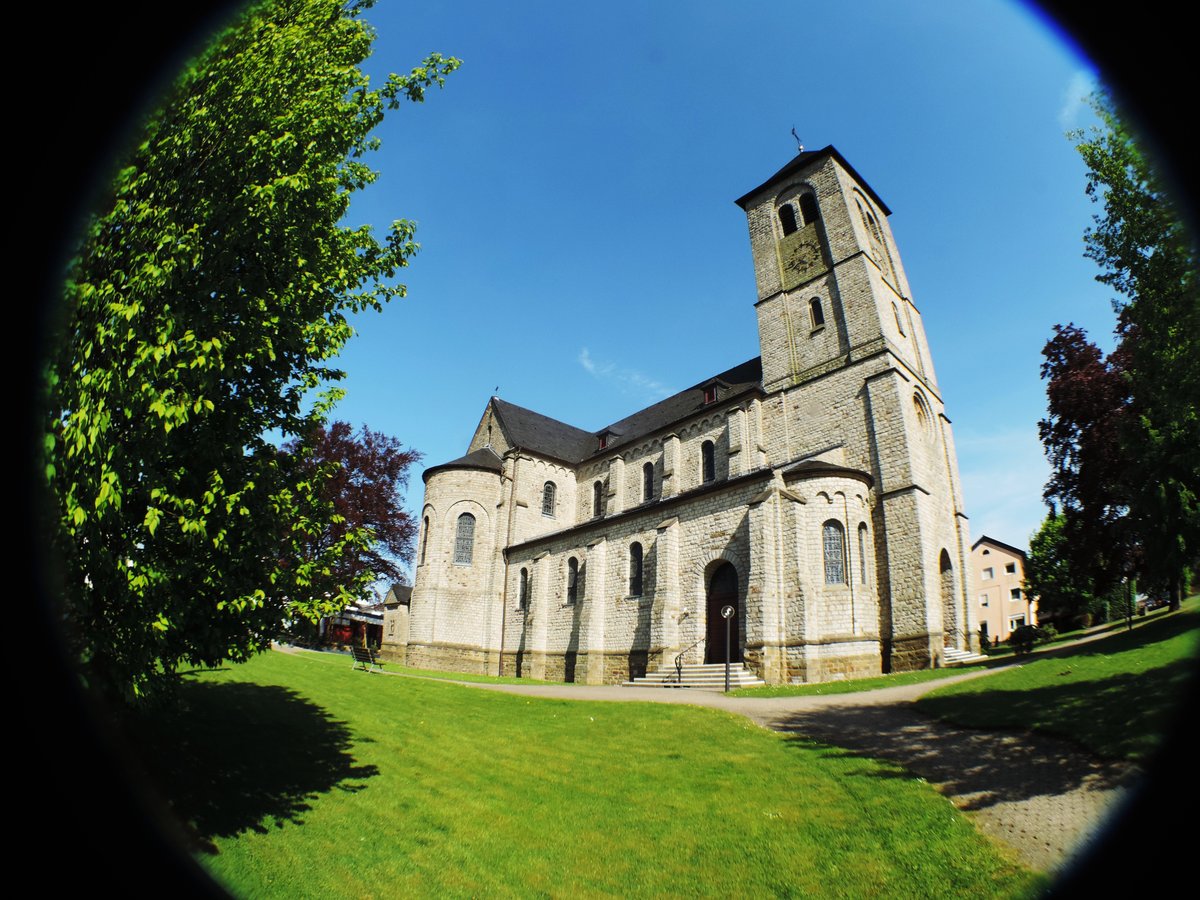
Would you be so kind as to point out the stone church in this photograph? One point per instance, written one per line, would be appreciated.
(813, 489)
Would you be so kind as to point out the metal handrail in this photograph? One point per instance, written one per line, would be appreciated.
(679, 660)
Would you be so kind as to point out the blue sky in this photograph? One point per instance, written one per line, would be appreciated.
(573, 186)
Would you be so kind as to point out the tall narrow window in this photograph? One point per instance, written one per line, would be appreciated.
(464, 540)
(862, 553)
(808, 208)
(708, 462)
(834, 543)
(635, 570)
(572, 580)
(816, 312)
(899, 323)
(648, 481)
(424, 540)
(597, 499)
(787, 218)
(548, 494)
(523, 590)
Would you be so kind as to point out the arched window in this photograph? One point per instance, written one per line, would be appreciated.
(424, 540)
(648, 481)
(862, 553)
(816, 313)
(464, 540)
(708, 462)
(523, 590)
(924, 417)
(808, 208)
(833, 540)
(548, 494)
(899, 322)
(597, 498)
(635, 569)
(572, 580)
(787, 219)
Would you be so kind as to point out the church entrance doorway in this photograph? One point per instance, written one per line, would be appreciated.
(723, 591)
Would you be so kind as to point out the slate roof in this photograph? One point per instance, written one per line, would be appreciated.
(811, 467)
(731, 383)
(995, 543)
(485, 458)
(545, 436)
(804, 159)
(549, 437)
(401, 593)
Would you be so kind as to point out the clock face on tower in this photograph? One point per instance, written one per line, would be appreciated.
(800, 258)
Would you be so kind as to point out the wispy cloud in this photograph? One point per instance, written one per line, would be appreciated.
(628, 381)
(1074, 105)
(1003, 473)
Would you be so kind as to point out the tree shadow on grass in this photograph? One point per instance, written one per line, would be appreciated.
(1119, 716)
(234, 757)
(980, 768)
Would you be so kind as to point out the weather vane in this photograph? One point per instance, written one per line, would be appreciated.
(799, 143)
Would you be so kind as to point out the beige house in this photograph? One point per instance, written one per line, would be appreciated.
(998, 582)
(811, 493)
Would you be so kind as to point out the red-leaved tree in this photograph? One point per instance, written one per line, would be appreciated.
(1088, 416)
(362, 475)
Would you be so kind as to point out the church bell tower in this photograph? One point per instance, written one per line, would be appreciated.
(846, 364)
(830, 283)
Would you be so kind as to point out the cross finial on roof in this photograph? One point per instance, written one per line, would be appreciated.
(799, 143)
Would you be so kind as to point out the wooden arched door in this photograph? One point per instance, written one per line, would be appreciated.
(723, 591)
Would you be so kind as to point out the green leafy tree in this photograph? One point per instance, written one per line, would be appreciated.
(1063, 593)
(1145, 253)
(209, 293)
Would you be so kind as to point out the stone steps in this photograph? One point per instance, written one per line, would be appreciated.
(952, 656)
(699, 676)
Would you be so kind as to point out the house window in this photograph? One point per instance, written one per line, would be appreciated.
(787, 219)
(1014, 594)
(572, 580)
(648, 482)
(983, 599)
(1010, 568)
(597, 497)
(424, 540)
(816, 313)
(708, 462)
(710, 394)
(464, 540)
(862, 553)
(548, 494)
(603, 441)
(523, 590)
(1016, 622)
(808, 208)
(989, 573)
(899, 323)
(635, 570)
(834, 543)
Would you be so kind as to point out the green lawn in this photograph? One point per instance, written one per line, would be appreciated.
(398, 669)
(853, 686)
(1116, 696)
(300, 777)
